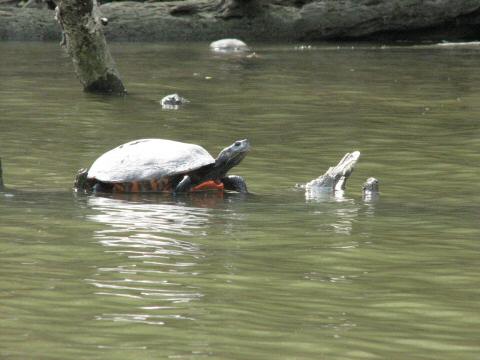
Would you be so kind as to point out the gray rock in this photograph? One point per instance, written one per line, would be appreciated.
(370, 188)
(173, 101)
(229, 45)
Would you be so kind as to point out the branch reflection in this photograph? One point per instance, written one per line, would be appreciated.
(343, 216)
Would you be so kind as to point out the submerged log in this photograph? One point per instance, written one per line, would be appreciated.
(85, 42)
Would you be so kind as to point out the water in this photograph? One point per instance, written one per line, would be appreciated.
(270, 275)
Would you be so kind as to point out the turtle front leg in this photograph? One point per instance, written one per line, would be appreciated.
(184, 185)
(235, 183)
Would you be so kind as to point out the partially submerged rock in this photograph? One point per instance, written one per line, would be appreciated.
(370, 189)
(371, 185)
(173, 101)
(229, 45)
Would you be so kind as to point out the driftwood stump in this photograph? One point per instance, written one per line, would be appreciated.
(85, 42)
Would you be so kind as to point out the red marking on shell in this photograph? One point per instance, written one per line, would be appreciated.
(154, 184)
(135, 187)
(119, 188)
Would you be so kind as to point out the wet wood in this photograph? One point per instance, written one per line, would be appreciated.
(85, 42)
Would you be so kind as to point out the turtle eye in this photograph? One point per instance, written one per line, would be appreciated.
(238, 143)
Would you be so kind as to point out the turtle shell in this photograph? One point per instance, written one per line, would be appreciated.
(148, 159)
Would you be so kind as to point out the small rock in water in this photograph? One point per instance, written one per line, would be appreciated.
(370, 189)
(371, 184)
(229, 45)
(173, 101)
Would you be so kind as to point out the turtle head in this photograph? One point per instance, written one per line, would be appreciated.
(231, 156)
(371, 185)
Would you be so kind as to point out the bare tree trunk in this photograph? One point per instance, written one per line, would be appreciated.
(85, 43)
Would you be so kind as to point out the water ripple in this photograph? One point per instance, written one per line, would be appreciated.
(146, 217)
(155, 257)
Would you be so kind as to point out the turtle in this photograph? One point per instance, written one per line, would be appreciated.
(159, 165)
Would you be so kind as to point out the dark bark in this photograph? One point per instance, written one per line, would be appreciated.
(85, 42)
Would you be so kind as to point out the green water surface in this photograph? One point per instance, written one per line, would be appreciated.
(272, 275)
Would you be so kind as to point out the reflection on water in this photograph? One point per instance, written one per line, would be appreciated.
(470, 44)
(127, 215)
(157, 251)
(344, 210)
(342, 215)
(314, 194)
(371, 197)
